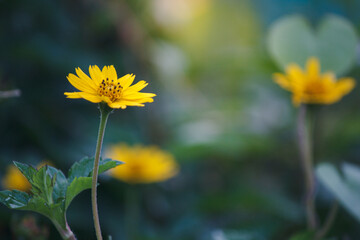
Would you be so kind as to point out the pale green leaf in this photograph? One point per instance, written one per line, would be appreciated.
(346, 189)
(334, 42)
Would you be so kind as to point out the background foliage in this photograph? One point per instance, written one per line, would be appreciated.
(217, 110)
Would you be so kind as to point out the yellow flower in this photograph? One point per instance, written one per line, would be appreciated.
(142, 164)
(14, 179)
(105, 86)
(44, 163)
(311, 86)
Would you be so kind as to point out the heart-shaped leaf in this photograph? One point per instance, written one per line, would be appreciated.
(292, 40)
(346, 189)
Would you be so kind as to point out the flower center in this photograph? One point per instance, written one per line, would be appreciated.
(110, 88)
(316, 87)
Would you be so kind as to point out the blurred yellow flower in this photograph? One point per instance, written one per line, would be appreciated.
(105, 86)
(312, 87)
(14, 179)
(44, 163)
(142, 164)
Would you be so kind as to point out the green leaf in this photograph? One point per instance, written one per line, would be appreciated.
(27, 170)
(52, 193)
(22, 201)
(306, 235)
(346, 189)
(81, 168)
(84, 167)
(107, 164)
(77, 186)
(352, 174)
(42, 184)
(60, 184)
(292, 40)
(48, 184)
(80, 176)
(53, 211)
(236, 235)
(337, 44)
(14, 199)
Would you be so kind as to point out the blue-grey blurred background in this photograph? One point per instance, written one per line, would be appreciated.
(217, 110)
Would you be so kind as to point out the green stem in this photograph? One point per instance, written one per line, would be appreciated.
(104, 114)
(66, 234)
(304, 137)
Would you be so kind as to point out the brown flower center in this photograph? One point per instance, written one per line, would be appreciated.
(111, 89)
(315, 87)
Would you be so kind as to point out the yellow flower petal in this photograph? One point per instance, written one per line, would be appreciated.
(295, 73)
(137, 95)
(105, 72)
(127, 80)
(104, 86)
(282, 80)
(72, 95)
(137, 87)
(96, 74)
(122, 103)
(14, 179)
(345, 85)
(112, 72)
(90, 97)
(313, 87)
(86, 78)
(142, 164)
(80, 84)
(329, 76)
(313, 67)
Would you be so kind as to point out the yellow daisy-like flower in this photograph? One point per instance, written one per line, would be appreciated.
(142, 164)
(105, 86)
(14, 179)
(311, 86)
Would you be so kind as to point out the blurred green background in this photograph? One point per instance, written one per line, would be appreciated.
(217, 110)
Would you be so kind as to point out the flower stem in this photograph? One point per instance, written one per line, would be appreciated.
(104, 114)
(66, 234)
(304, 138)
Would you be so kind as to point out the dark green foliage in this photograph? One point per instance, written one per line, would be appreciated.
(84, 167)
(52, 192)
(14, 199)
(307, 235)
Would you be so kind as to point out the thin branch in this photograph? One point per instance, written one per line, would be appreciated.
(304, 139)
(10, 93)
